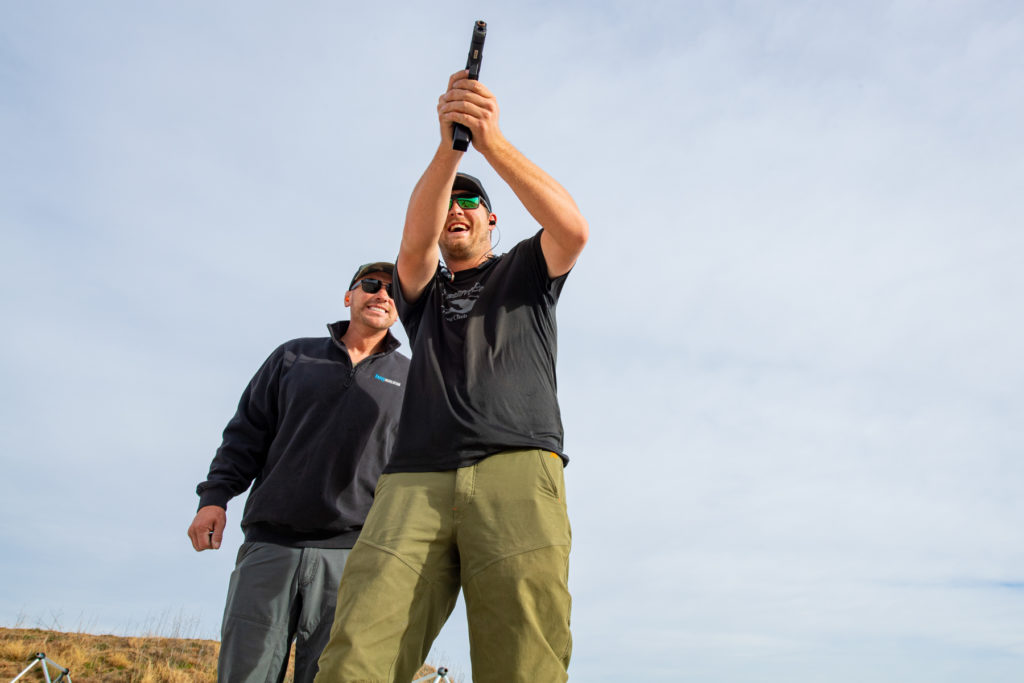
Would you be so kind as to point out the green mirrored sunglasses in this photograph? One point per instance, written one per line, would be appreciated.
(465, 202)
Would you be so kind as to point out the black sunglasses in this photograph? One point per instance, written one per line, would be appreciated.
(372, 285)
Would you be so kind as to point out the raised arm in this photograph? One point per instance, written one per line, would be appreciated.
(565, 231)
(424, 219)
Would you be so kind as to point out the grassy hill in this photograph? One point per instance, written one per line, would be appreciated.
(110, 659)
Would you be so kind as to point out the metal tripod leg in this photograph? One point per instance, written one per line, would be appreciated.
(442, 677)
(41, 659)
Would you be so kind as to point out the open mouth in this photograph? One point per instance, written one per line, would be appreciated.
(458, 227)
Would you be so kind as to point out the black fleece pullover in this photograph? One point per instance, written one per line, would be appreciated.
(311, 434)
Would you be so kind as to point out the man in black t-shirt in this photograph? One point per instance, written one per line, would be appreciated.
(473, 496)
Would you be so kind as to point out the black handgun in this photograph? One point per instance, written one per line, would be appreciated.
(461, 135)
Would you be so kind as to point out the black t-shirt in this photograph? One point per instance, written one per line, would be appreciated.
(482, 377)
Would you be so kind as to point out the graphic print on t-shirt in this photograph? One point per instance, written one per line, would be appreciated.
(457, 304)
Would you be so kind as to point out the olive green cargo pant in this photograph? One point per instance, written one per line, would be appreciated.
(498, 529)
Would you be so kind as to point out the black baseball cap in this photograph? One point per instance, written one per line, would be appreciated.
(467, 183)
(375, 267)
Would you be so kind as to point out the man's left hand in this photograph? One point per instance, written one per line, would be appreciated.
(470, 103)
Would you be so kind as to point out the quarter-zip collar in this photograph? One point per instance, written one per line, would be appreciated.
(337, 331)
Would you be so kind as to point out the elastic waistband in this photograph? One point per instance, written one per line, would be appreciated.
(266, 533)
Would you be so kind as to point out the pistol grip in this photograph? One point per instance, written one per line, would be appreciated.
(461, 137)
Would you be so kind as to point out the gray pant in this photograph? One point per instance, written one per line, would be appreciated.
(278, 594)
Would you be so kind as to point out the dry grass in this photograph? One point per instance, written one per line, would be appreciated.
(110, 659)
(107, 659)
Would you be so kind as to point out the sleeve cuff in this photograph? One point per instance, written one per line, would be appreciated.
(215, 496)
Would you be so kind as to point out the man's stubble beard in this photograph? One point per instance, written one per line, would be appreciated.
(465, 251)
(372, 322)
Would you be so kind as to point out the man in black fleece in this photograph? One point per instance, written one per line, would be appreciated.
(312, 433)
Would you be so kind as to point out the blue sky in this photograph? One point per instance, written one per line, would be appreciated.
(789, 358)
